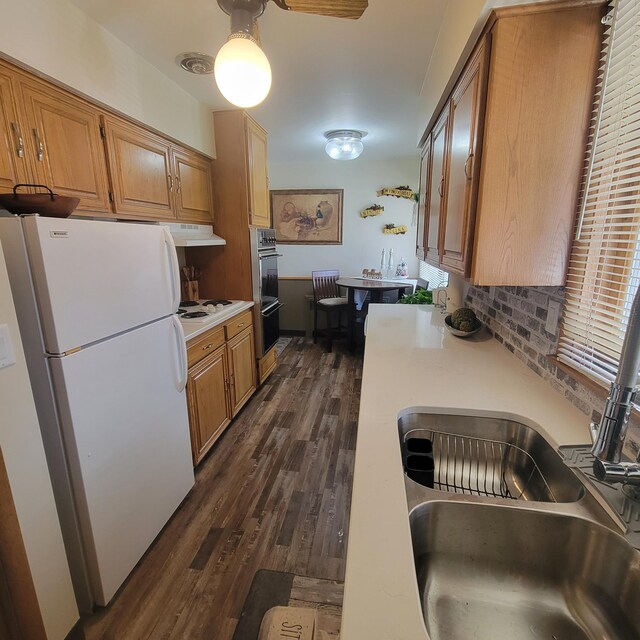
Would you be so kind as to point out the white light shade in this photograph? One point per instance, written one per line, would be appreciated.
(242, 72)
(344, 145)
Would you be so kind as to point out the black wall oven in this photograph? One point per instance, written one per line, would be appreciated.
(265, 257)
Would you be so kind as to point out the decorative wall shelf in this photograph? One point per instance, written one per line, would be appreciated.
(397, 192)
(373, 210)
(391, 229)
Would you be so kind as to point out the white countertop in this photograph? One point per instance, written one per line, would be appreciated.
(193, 329)
(412, 361)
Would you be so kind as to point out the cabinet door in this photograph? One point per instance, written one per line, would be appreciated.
(437, 188)
(140, 167)
(462, 183)
(65, 146)
(13, 167)
(192, 185)
(259, 214)
(209, 409)
(425, 177)
(242, 357)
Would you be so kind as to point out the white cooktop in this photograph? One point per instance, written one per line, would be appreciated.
(208, 308)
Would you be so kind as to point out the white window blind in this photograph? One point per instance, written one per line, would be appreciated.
(434, 276)
(604, 269)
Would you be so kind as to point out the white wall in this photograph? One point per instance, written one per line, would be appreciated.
(461, 19)
(362, 239)
(58, 39)
(462, 24)
(26, 465)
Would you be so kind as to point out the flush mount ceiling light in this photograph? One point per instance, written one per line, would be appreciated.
(241, 69)
(344, 144)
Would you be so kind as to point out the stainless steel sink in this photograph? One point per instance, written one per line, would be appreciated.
(491, 572)
(487, 457)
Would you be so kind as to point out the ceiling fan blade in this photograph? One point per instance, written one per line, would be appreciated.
(351, 9)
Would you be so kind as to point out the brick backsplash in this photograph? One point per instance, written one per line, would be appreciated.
(517, 318)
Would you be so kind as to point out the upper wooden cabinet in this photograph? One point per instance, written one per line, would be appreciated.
(240, 170)
(141, 172)
(517, 123)
(13, 163)
(437, 188)
(425, 177)
(258, 175)
(66, 149)
(465, 109)
(75, 147)
(154, 179)
(192, 185)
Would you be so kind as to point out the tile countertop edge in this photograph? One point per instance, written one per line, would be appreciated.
(195, 329)
(412, 361)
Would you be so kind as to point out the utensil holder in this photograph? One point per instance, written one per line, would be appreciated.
(190, 290)
(419, 445)
(420, 468)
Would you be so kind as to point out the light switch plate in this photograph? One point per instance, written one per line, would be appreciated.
(6, 347)
(553, 313)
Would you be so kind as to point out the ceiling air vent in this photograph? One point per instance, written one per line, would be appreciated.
(198, 63)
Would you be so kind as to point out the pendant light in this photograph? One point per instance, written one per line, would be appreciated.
(241, 69)
(344, 144)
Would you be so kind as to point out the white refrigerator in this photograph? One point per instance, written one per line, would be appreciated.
(107, 359)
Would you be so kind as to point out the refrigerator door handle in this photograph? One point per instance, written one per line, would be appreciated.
(174, 268)
(182, 353)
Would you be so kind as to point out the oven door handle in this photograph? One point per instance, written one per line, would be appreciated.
(264, 256)
(272, 309)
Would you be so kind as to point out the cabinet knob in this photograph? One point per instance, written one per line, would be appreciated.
(207, 346)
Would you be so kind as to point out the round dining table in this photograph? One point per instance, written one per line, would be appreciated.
(376, 288)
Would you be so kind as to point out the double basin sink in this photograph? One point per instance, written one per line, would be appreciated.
(508, 542)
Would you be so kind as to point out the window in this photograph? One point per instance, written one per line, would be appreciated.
(434, 276)
(604, 268)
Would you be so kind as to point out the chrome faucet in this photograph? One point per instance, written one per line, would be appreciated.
(609, 436)
(441, 300)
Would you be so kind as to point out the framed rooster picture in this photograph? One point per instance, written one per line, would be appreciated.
(307, 216)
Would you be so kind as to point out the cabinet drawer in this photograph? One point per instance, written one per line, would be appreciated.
(203, 345)
(238, 323)
(267, 364)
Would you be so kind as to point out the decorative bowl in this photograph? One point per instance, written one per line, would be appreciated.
(458, 333)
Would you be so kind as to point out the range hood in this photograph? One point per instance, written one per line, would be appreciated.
(194, 235)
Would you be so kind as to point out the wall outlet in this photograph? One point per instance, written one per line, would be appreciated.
(553, 314)
(7, 357)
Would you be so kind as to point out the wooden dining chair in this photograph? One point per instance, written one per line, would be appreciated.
(327, 298)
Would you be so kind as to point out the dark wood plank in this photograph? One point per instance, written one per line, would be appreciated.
(273, 494)
(206, 549)
(291, 519)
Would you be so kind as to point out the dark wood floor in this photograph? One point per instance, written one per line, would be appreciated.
(273, 494)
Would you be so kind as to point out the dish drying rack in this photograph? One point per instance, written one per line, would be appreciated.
(475, 466)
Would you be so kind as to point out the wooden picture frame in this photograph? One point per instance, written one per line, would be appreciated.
(307, 216)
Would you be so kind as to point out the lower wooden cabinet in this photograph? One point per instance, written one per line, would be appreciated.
(242, 357)
(208, 398)
(267, 364)
(222, 378)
